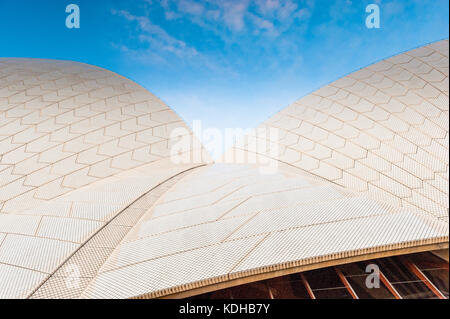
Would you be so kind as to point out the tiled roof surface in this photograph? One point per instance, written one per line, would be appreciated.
(382, 130)
(246, 223)
(78, 144)
(91, 205)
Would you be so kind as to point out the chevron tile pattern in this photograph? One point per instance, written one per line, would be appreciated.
(78, 144)
(246, 223)
(64, 125)
(382, 130)
(77, 270)
(92, 206)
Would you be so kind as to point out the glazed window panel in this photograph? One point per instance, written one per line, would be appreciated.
(427, 261)
(349, 281)
(287, 288)
(358, 284)
(324, 279)
(439, 278)
(258, 290)
(414, 290)
(395, 271)
(355, 269)
(336, 293)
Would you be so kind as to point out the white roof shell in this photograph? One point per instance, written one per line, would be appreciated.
(91, 205)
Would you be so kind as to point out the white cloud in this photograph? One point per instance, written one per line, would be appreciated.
(156, 37)
(303, 14)
(213, 15)
(267, 6)
(287, 10)
(191, 7)
(269, 17)
(234, 22)
(233, 13)
(263, 24)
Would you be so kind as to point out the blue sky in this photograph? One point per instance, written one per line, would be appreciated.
(229, 63)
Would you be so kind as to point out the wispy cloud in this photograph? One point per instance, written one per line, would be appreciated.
(273, 16)
(191, 7)
(233, 13)
(155, 46)
(229, 58)
(243, 33)
(156, 37)
(232, 23)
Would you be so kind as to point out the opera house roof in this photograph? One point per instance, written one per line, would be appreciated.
(93, 206)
